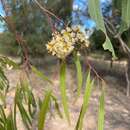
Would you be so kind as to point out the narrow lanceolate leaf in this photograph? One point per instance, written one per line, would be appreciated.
(63, 89)
(4, 83)
(41, 75)
(2, 115)
(57, 106)
(125, 15)
(6, 61)
(101, 112)
(86, 98)
(96, 15)
(43, 111)
(79, 75)
(3, 119)
(10, 122)
(23, 112)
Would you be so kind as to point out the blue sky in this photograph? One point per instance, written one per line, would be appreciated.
(88, 23)
(1, 10)
(1, 13)
(80, 7)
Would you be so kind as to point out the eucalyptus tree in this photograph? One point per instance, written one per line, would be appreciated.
(33, 23)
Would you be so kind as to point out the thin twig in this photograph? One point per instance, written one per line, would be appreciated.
(48, 12)
(95, 72)
(125, 48)
(109, 29)
(113, 29)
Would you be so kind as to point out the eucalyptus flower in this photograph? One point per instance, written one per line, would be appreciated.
(63, 43)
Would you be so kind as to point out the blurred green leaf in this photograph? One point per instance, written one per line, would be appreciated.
(96, 15)
(79, 75)
(23, 112)
(125, 24)
(25, 117)
(101, 112)
(2, 115)
(57, 106)
(10, 122)
(6, 123)
(63, 89)
(6, 61)
(3, 119)
(14, 114)
(31, 104)
(86, 98)
(28, 97)
(43, 111)
(1, 127)
(40, 74)
(4, 83)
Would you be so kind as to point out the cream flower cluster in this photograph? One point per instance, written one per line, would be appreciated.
(64, 42)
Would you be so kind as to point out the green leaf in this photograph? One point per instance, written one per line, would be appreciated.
(4, 83)
(25, 117)
(14, 115)
(57, 106)
(43, 111)
(2, 115)
(31, 104)
(125, 16)
(117, 4)
(23, 112)
(5, 60)
(96, 15)
(86, 98)
(10, 122)
(101, 112)
(28, 97)
(79, 75)
(63, 89)
(41, 75)
(1, 127)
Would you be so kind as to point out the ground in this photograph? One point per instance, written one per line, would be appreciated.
(117, 104)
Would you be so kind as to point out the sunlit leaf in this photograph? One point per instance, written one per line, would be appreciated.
(31, 104)
(23, 112)
(57, 107)
(41, 75)
(6, 61)
(28, 97)
(63, 89)
(125, 24)
(1, 127)
(10, 122)
(96, 15)
(86, 98)
(2, 115)
(101, 112)
(79, 75)
(43, 111)
(4, 83)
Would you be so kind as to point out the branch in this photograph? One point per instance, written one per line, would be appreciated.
(48, 12)
(95, 72)
(113, 31)
(124, 45)
(11, 26)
